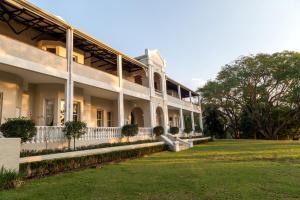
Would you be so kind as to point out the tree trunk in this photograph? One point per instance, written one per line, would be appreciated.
(69, 144)
(74, 143)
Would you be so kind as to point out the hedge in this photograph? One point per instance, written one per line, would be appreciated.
(196, 142)
(50, 167)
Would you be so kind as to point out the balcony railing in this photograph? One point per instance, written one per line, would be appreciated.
(30, 53)
(95, 74)
(128, 85)
(55, 134)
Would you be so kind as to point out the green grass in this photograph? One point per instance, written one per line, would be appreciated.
(218, 170)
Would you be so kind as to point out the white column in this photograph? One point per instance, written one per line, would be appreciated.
(152, 92)
(164, 87)
(190, 94)
(181, 120)
(193, 121)
(69, 85)
(179, 91)
(166, 118)
(121, 94)
(151, 81)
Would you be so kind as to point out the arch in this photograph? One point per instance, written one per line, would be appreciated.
(159, 116)
(157, 82)
(137, 117)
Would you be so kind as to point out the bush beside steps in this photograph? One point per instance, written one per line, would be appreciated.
(10, 179)
(50, 167)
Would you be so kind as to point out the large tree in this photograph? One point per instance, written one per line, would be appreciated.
(266, 87)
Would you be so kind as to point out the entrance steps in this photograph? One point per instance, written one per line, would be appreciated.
(175, 143)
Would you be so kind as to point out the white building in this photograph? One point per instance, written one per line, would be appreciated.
(52, 72)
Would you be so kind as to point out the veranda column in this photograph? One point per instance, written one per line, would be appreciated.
(151, 90)
(190, 94)
(166, 118)
(193, 121)
(179, 91)
(181, 120)
(121, 94)
(69, 85)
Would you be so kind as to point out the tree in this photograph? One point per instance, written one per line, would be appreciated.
(248, 126)
(74, 129)
(266, 87)
(19, 127)
(213, 122)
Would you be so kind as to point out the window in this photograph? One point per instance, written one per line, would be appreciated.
(75, 58)
(100, 122)
(109, 119)
(171, 121)
(49, 112)
(76, 111)
(51, 49)
(1, 105)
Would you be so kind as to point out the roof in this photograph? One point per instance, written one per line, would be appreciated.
(182, 86)
(60, 22)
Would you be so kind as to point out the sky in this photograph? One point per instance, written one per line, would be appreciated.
(195, 37)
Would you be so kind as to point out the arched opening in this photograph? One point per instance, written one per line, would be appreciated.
(137, 117)
(159, 116)
(157, 82)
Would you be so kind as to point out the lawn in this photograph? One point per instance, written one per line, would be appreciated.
(245, 169)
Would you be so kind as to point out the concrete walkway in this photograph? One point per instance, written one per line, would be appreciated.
(86, 152)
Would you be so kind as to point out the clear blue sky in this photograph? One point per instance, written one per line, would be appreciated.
(196, 37)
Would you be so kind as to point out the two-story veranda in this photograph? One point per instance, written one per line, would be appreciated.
(52, 72)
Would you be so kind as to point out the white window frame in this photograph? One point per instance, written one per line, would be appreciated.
(100, 121)
(45, 110)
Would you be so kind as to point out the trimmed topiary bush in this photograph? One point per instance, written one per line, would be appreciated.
(158, 130)
(198, 129)
(130, 130)
(74, 129)
(19, 128)
(174, 130)
(188, 130)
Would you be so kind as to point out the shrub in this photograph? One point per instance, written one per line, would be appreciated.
(174, 130)
(19, 127)
(158, 130)
(188, 130)
(74, 129)
(9, 179)
(130, 130)
(198, 129)
(50, 167)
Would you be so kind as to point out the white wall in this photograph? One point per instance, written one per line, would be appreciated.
(10, 153)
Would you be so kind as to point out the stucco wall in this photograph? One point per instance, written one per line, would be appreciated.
(10, 86)
(10, 153)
